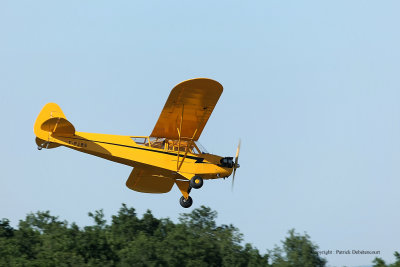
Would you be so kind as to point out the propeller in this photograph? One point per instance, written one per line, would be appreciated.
(236, 165)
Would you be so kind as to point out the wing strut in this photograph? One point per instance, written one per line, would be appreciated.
(188, 144)
(179, 141)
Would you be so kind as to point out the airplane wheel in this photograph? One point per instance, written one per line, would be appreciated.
(186, 203)
(39, 148)
(196, 182)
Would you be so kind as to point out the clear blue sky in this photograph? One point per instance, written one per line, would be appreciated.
(311, 87)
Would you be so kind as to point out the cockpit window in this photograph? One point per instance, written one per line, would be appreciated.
(157, 142)
(140, 140)
(175, 145)
(203, 150)
(169, 144)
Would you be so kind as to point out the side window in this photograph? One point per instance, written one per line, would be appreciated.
(142, 141)
(157, 142)
(174, 145)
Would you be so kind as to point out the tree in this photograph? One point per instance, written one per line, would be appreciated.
(397, 262)
(297, 251)
(378, 262)
(41, 239)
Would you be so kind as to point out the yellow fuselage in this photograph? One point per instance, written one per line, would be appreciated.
(124, 150)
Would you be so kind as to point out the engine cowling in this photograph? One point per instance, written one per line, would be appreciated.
(227, 162)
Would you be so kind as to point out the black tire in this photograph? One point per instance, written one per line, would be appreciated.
(186, 203)
(196, 182)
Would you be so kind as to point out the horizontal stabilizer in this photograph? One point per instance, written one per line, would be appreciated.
(58, 126)
(52, 121)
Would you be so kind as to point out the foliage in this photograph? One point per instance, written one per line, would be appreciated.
(378, 262)
(297, 251)
(196, 240)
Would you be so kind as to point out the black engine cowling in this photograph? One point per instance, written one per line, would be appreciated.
(227, 162)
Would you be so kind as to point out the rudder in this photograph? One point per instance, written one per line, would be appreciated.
(52, 121)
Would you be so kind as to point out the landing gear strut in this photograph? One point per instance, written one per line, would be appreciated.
(186, 203)
(196, 182)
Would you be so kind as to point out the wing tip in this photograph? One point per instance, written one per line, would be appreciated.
(212, 82)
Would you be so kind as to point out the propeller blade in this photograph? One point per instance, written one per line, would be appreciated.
(238, 149)
(236, 163)
(233, 178)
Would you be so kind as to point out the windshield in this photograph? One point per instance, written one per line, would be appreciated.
(203, 150)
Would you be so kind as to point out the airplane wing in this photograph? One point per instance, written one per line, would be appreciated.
(193, 100)
(148, 181)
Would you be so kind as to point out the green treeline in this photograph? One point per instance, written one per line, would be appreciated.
(196, 240)
(378, 262)
(43, 240)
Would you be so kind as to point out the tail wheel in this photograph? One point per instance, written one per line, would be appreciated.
(186, 203)
(196, 182)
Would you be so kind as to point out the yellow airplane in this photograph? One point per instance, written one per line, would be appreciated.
(169, 155)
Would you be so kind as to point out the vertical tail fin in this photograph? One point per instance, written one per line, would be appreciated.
(51, 121)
